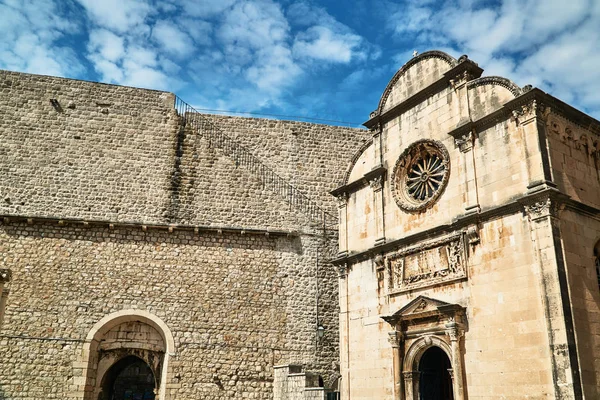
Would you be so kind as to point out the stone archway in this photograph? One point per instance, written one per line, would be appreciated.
(428, 330)
(129, 338)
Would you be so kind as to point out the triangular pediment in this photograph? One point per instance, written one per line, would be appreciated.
(421, 306)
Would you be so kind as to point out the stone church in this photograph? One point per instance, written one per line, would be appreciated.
(449, 251)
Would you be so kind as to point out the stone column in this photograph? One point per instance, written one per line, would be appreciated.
(395, 339)
(411, 385)
(457, 370)
(343, 228)
(465, 144)
(5, 277)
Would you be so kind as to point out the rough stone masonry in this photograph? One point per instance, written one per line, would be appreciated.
(120, 224)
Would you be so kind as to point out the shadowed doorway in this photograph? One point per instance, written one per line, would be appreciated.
(129, 379)
(435, 382)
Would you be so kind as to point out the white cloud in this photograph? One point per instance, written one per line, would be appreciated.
(30, 31)
(553, 44)
(206, 8)
(320, 43)
(118, 15)
(172, 39)
(109, 45)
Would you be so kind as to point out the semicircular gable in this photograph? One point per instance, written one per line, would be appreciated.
(433, 65)
(360, 154)
(496, 80)
(489, 93)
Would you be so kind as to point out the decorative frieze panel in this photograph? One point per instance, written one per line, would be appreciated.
(573, 135)
(427, 264)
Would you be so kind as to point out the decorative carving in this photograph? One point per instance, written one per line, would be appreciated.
(472, 235)
(5, 275)
(573, 135)
(465, 142)
(394, 338)
(379, 261)
(420, 175)
(542, 208)
(342, 270)
(376, 183)
(342, 200)
(421, 306)
(461, 79)
(533, 109)
(428, 264)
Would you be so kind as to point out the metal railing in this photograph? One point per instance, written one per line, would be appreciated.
(215, 136)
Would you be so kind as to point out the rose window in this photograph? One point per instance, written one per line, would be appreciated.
(420, 175)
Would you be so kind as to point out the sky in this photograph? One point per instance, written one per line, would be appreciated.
(326, 60)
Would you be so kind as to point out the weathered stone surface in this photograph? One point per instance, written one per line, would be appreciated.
(498, 271)
(96, 188)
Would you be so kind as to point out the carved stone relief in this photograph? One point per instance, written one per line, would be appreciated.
(428, 264)
(573, 136)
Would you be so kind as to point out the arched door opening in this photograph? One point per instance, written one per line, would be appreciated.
(435, 382)
(130, 378)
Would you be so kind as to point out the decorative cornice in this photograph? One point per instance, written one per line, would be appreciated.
(374, 174)
(496, 81)
(517, 205)
(451, 61)
(8, 219)
(5, 275)
(379, 118)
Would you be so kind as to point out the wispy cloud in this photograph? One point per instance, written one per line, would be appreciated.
(30, 33)
(553, 44)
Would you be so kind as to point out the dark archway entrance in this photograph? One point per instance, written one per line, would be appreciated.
(130, 378)
(435, 382)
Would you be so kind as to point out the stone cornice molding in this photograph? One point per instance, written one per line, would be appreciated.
(465, 223)
(8, 219)
(496, 81)
(451, 61)
(377, 173)
(378, 117)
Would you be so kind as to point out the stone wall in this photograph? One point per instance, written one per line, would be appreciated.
(108, 152)
(108, 206)
(236, 304)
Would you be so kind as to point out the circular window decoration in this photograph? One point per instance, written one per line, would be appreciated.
(420, 175)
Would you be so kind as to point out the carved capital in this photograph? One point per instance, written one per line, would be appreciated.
(527, 112)
(395, 338)
(465, 142)
(461, 79)
(342, 200)
(376, 183)
(472, 235)
(5, 275)
(342, 270)
(409, 376)
(542, 208)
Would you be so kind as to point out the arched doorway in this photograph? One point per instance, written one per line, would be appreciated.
(435, 381)
(130, 378)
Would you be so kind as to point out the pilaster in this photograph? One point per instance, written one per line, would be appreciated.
(542, 213)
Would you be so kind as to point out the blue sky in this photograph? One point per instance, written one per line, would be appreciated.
(321, 59)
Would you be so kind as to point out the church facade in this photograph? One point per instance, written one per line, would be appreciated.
(469, 231)
(450, 251)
